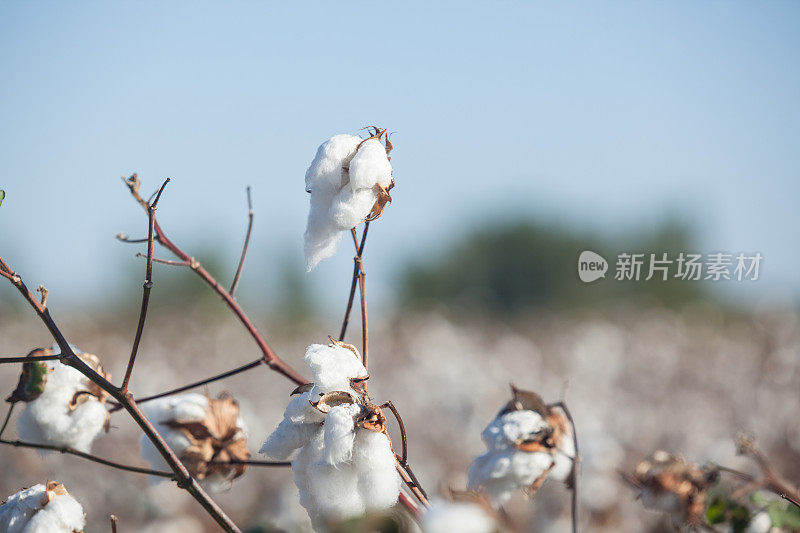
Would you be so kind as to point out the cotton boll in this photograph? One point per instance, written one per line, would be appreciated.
(325, 170)
(62, 514)
(190, 406)
(333, 367)
(350, 208)
(464, 517)
(339, 433)
(378, 480)
(507, 429)
(49, 419)
(322, 235)
(334, 490)
(370, 166)
(41, 509)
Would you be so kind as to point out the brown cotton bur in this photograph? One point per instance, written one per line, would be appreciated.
(689, 483)
(215, 441)
(33, 378)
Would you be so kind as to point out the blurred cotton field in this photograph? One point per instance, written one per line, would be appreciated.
(635, 379)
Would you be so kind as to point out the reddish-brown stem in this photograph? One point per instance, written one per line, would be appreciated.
(166, 261)
(272, 360)
(362, 291)
(576, 462)
(408, 504)
(354, 282)
(148, 285)
(68, 357)
(113, 523)
(88, 456)
(402, 426)
(246, 243)
(206, 381)
(29, 359)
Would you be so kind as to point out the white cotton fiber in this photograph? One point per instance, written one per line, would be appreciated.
(341, 179)
(370, 166)
(325, 171)
(185, 407)
(29, 511)
(505, 430)
(378, 480)
(287, 437)
(350, 208)
(463, 517)
(333, 367)
(49, 419)
(340, 433)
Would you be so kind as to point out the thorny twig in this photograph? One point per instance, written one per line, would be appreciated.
(246, 243)
(148, 285)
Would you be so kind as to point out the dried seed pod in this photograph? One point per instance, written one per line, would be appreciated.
(33, 379)
(342, 344)
(215, 440)
(332, 399)
(302, 388)
(524, 400)
(373, 419)
(667, 483)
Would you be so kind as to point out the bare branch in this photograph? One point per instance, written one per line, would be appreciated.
(393, 409)
(270, 358)
(246, 243)
(148, 285)
(8, 417)
(29, 359)
(356, 259)
(113, 523)
(88, 456)
(576, 462)
(206, 381)
(167, 261)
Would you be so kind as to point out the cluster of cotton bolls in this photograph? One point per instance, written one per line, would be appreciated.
(345, 465)
(42, 509)
(206, 434)
(527, 443)
(62, 407)
(349, 181)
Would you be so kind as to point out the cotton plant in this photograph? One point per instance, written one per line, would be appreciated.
(45, 508)
(349, 181)
(62, 407)
(528, 442)
(206, 434)
(343, 464)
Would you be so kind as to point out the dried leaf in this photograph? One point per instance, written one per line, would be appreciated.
(33, 379)
(383, 198)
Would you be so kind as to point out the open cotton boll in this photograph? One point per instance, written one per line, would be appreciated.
(350, 208)
(464, 517)
(505, 430)
(42, 509)
(332, 156)
(333, 367)
(69, 412)
(564, 458)
(370, 166)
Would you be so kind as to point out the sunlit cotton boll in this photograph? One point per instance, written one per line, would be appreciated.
(464, 517)
(341, 180)
(504, 469)
(222, 438)
(42, 509)
(341, 468)
(69, 412)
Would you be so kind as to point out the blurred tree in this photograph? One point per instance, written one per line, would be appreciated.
(522, 266)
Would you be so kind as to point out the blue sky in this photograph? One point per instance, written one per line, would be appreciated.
(601, 116)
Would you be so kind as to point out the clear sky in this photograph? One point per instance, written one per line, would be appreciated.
(606, 115)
